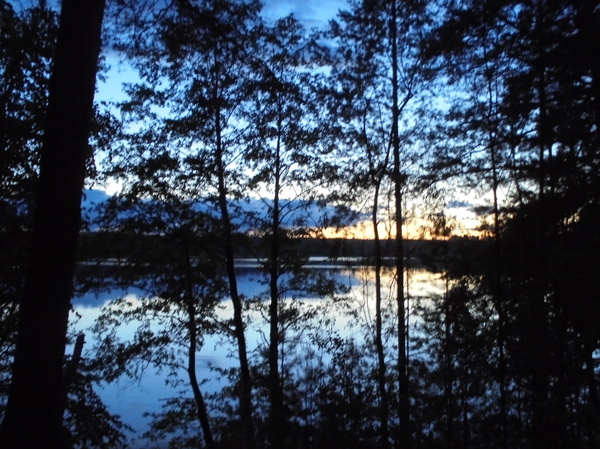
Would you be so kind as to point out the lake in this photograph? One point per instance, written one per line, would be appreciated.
(351, 313)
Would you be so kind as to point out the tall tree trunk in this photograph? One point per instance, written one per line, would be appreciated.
(277, 418)
(403, 390)
(34, 414)
(498, 296)
(377, 175)
(381, 364)
(238, 320)
(541, 434)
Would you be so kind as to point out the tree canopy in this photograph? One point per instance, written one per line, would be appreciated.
(246, 139)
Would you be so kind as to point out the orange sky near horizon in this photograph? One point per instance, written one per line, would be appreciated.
(462, 221)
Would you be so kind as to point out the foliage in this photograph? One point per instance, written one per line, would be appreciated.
(88, 420)
(27, 44)
(498, 99)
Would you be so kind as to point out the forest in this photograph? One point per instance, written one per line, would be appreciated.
(320, 164)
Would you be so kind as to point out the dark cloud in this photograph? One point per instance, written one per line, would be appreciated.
(459, 204)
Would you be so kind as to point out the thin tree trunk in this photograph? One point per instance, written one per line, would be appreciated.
(238, 320)
(33, 416)
(539, 314)
(381, 364)
(498, 299)
(498, 291)
(377, 175)
(403, 390)
(277, 418)
(198, 398)
(191, 368)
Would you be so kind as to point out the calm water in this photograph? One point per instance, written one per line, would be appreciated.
(132, 398)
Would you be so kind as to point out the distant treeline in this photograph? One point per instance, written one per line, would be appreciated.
(103, 246)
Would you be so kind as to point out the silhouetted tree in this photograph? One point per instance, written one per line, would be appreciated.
(194, 69)
(181, 285)
(285, 157)
(27, 44)
(378, 74)
(34, 413)
(540, 122)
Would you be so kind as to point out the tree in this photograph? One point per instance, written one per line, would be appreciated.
(194, 71)
(28, 38)
(28, 42)
(362, 117)
(285, 157)
(87, 418)
(378, 76)
(33, 415)
(478, 146)
(540, 122)
(181, 286)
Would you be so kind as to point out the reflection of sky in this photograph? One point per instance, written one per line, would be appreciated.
(131, 399)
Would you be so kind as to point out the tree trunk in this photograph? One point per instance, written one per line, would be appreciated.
(403, 391)
(34, 414)
(381, 363)
(193, 336)
(238, 320)
(539, 338)
(498, 297)
(70, 371)
(277, 419)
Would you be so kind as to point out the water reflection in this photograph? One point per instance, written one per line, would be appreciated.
(348, 314)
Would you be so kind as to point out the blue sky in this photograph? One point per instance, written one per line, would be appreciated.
(312, 13)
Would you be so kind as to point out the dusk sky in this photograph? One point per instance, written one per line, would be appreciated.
(312, 13)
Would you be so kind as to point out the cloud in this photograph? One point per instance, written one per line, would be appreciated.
(312, 13)
(455, 204)
(247, 213)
